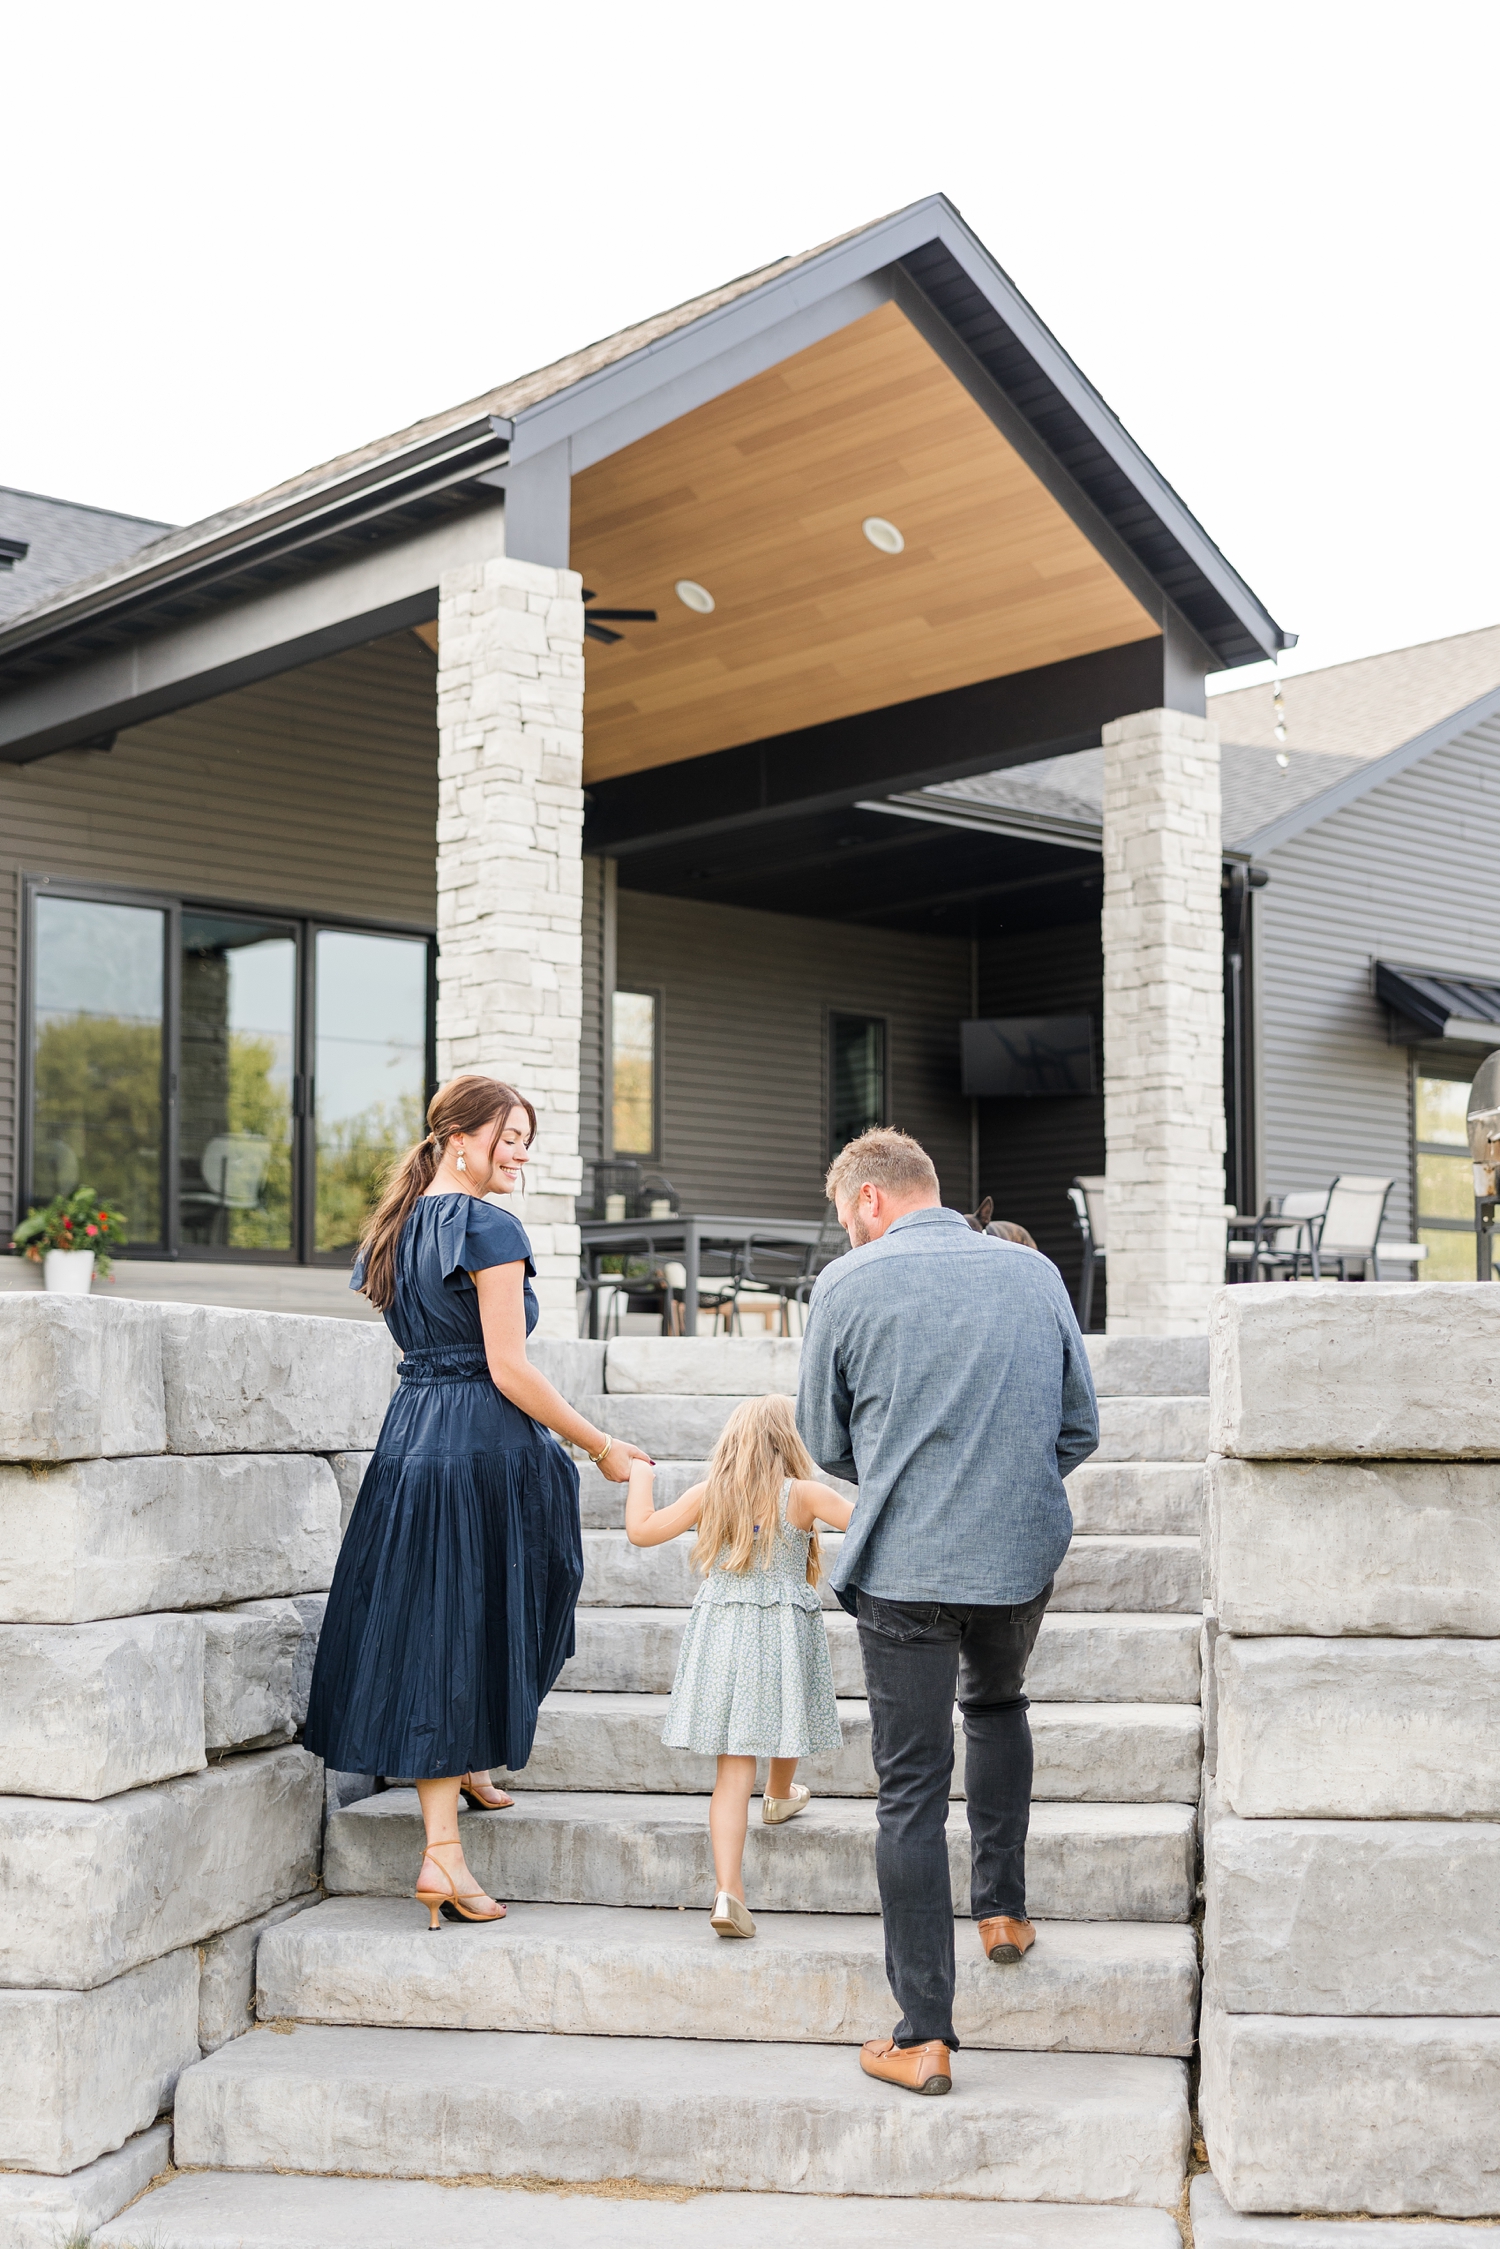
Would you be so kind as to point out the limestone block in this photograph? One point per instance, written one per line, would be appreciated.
(1398, 1370)
(574, 1365)
(1152, 1428)
(246, 1382)
(310, 1608)
(348, 1473)
(1318, 1917)
(82, 1378)
(1130, 1573)
(226, 1983)
(688, 2112)
(95, 1708)
(669, 1428)
(261, 2210)
(1325, 2113)
(1143, 1366)
(160, 1867)
(703, 1366)
(1359, 1729)
(1159, 1497)
(1094, 1862)
(602, 1504)
(249, 1659)
(1341, 1546)
(1216, 2226)
(1091, 1987)
(105, 1538)
(99, 2065)
(37, 2212)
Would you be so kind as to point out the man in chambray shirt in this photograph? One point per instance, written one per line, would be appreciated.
(943, 1372)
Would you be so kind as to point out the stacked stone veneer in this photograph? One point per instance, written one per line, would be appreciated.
(510, 871)
(1163, 1023)
(1351, 2031)
(172, 1480)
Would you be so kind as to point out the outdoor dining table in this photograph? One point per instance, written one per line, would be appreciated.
(683, 1237)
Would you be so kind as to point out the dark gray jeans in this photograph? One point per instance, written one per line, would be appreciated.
(917, 1655)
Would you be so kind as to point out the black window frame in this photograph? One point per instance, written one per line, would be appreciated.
(654, 993)
(834, 1140)
(303, 925)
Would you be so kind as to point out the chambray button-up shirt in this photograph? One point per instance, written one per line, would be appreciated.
(943, 1372)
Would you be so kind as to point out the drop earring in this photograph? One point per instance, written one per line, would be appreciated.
(458, 1162)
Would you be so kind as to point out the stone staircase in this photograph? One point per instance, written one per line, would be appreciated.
(602, 2068)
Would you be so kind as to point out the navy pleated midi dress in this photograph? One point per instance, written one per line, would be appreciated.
(451, 1612)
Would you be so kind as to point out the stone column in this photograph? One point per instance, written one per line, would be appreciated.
(509, 872)
(1163, 1023)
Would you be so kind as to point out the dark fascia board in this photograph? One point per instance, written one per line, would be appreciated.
(1359, 783)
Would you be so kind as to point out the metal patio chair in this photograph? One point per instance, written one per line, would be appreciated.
(1090, 1217)
(1282, 1238)
(1349, 1231)
(832, 1242)
(768, 1267)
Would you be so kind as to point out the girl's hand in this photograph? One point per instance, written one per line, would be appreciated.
(617, 1463)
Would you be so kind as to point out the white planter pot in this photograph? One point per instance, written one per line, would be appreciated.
(68, 1272)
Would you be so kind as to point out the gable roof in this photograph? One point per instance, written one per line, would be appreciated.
(65, 541)
(991, 326)
(1371, 706)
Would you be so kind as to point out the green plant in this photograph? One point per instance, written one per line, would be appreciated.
(76, 1221)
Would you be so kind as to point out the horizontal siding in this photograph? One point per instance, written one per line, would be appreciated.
(1031, 1151)
(10, 928)
(1410, 873)
(745, 999)
(591, 1048)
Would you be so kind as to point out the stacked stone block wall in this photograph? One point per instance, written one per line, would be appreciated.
(510, 871)
(1351, 2028)
(171, 1482)
(1163, 1023)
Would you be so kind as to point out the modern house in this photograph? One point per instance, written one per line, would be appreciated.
(306, 803)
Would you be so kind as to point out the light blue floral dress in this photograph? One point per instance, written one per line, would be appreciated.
(753, 1678)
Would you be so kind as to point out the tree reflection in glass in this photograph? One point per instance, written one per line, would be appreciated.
(239, 1019)
(370, 1071)
(97, 1090)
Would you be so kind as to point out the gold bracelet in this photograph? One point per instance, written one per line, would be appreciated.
(597, 1457)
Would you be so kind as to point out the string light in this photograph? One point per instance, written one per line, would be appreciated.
(1278, 708)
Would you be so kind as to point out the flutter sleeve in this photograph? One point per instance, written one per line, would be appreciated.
(473, 1235)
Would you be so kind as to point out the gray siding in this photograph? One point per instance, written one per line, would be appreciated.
(1407, 873)
(315, 792)
(745, 1001)
(591, 1051)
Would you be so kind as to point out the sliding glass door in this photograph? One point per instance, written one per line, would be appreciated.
(369, 1071)
(237, 1073)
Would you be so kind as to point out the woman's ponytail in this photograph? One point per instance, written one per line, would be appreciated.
(465, 1105)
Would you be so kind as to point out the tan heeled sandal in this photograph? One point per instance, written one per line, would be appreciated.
(452, 1904)
(469, 1790)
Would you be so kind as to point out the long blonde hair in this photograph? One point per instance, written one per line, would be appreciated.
(465, 1104)
(757, 1451)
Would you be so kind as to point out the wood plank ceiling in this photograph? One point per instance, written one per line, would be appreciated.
(760, 496)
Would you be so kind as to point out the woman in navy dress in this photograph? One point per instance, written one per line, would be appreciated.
(451, 1611)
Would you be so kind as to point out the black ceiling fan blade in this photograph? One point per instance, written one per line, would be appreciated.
(591, 631)
(625, 616)
(588, 593)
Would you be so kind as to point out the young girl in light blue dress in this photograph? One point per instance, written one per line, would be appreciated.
(753, 1677)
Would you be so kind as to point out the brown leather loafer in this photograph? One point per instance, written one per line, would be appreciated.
(921, 2069)
(1005, 1940)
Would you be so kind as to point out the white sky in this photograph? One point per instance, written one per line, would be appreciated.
(242, 240)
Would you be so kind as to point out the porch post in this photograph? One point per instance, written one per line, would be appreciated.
(1163, 1023)
(510, 872)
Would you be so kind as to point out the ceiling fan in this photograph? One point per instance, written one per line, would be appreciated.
(596, 622)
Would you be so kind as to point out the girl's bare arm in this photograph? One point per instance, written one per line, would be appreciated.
(502, 1316)
(807, 1503)
(649, 1525)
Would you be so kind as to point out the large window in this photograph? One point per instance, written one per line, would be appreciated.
(856, 1076)
(236, 1083)
(1445, 1176)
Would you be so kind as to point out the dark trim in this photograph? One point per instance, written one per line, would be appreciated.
(656, 1153)
(1046, 712)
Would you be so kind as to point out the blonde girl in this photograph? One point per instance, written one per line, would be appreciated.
(753, 1678)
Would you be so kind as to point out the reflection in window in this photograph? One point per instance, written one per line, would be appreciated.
(369, 1069)
(239, 1024)
(1445, 1178)
(97, 1101)
(857, 1073)
(633, 1049)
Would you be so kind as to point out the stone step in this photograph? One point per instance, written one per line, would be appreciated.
(1216, 2226)
(1086, 1752)
(1084, 1862)
(92, 1709)
(1138, 1366)
(1105, 2128)
(99, 2066)
(258, 2210)
(1077, 1658)
(1088, 1987)
(41, 2212)
(687, 1427)
(1133, 1574)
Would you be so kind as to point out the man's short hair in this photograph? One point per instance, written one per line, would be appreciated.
(883, 1158)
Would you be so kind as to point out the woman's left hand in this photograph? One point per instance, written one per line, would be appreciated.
(615, 1466)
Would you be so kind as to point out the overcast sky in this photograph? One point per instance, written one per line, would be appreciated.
(242, 240)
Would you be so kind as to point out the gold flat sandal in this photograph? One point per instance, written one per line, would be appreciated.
(730, 1917)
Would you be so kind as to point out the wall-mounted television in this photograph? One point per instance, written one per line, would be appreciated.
(1027, 1057)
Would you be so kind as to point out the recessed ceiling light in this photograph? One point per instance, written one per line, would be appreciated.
(883, 535)
(694, 596)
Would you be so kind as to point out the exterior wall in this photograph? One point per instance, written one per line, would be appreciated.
(510, 872)
(1031, 1151)
(1407, 873)
(315, 792)
(591, 1089)
(745, 1002)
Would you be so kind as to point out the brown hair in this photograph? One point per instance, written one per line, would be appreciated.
(758, 1449)
(465, 1104)
(882, 1158)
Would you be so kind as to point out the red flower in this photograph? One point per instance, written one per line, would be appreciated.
(103, 1217)
(91, 1229)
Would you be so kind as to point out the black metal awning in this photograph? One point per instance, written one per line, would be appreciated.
(1439, 1005)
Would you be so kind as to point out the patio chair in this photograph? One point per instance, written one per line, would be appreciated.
(769, 1268)
(716, 1293)
(1281, 1239)
(1349, 1232)
(1089, 1216)
(832, 1242)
